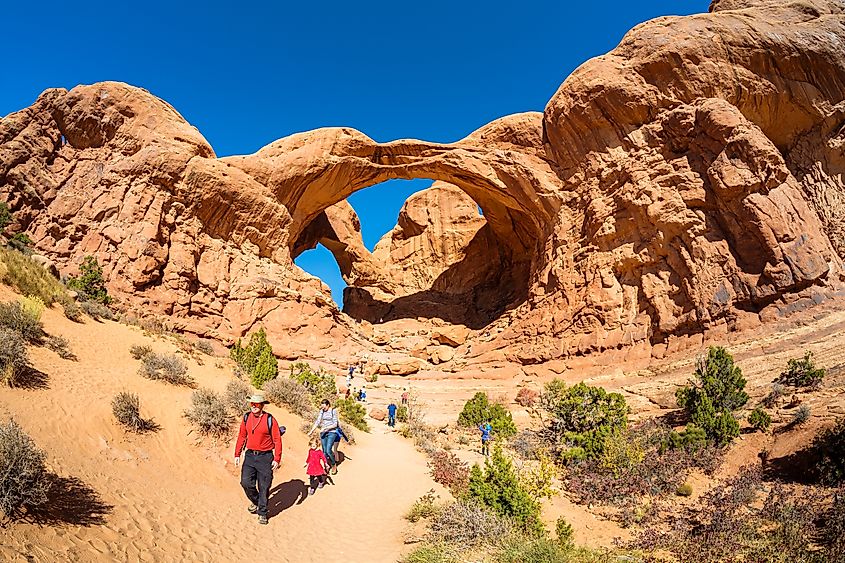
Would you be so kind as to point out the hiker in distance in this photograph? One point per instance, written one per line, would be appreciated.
(485, 429)
(327, 422)
(261, 437)
(391, 414)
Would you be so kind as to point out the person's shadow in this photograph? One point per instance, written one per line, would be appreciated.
(285, 495)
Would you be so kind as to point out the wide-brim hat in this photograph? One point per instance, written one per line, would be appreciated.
(258, 398)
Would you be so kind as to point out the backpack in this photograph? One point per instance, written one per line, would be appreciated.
(282, 429)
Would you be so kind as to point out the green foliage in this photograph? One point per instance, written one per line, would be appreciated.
(257, 359)
(498, 487)
(431, 553)
(582, 418)
(691, 439)
(90, 284)
(402, 413)
(684, 490)
(830, 448)
(716, 392)
(353, 412)
(22, 239)
(760, 419)
(319, 383)
(23, 318)
(31, 279)
(537, 479)
(802, 372)
(5, 215)
(24, 480)
(424, 507)
(622, 452)
(564, 533)
(479, 409)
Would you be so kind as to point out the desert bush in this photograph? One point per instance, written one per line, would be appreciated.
(760, 419)
(372, 378)
(97, 311)
(402, 413)
(526, 397)
(802, 372)
(208, 413)
(14, 360)
(25, 319)
(166, 367)
(429, 552)
(126, 408)
(717, 391)
(31, 279)
(291, 394)
(353, 412)
(691, 439)
(622, 451)
(684, 490)
(581, 419)
(72, 310)
(140, 351)
(833, 531)
(205, 347)
(467, 523)
(499, 488)
(24, 480)
(564, 533)
(830, 449)
(773, 397)
(60, 346)
(236, 396)
(424, 507)
(5, 215)
(801, 416)
(479, 409)
(527, 444)
(256, 359)
(537, 478)
(449, 471)
(89, 284)
(319, 384)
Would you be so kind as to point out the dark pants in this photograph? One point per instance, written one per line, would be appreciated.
(258, 468)
(316, 480)
(391, 420)
(485, 447)
(327, 439)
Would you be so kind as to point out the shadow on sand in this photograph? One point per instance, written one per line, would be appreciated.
(70, 501)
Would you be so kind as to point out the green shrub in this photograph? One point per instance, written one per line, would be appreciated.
(801, 416)
(760, 419)
(716, 392)
(564, 533)
(21, 239)
(802, 372)
(31, 279)
(257, 359)
(479, 409)
(423, 507)
(14, 360)
(166, 367)
(431, 553)
(319, 384)
(402, 413)
(582, 418)
(208, 413)
(24, 480)
(691, 439)
(498, 487)
(90, 284)
(684, 490)
(266, 369)
(236, 396)
(521, 549)
(5, 215)
(140, 351)
(353, 412)
(23, 319)
(830, 448)
(127, 410)
(290, 394)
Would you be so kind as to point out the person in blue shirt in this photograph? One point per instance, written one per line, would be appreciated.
(485, 437)
(391, 414)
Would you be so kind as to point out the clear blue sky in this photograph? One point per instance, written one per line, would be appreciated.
(251, 72)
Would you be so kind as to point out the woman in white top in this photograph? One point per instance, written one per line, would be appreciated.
(327, 422)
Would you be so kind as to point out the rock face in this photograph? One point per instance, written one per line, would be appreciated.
(692, 177)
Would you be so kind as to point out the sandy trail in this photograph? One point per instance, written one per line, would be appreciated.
(164, 496)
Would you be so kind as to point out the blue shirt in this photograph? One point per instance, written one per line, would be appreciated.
(391, 409)
(485, 431)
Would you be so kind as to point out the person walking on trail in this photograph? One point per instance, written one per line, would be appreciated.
(327, 422)
(391, 414)
(405, 396)
(485, 437)
(260, 439)
(340, 435)
(316, 466)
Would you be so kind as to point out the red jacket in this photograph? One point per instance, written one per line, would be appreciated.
(254, 436)
(313, 462)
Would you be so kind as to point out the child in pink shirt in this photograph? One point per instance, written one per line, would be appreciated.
(315, 466)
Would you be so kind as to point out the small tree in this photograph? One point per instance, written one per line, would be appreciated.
(717, 391)
(353, 412)
(479, 409)
(5, 215)
(802, 372)
(498, 487)
(256, 359)
(565, 533)
(760, 419)
(321, 385)
(90, 283)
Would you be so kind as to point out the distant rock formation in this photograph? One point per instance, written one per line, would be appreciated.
(692, 180)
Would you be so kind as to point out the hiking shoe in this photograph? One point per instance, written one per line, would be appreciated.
(311, 490)
(252, 509)
(262, 520)
(334, 470)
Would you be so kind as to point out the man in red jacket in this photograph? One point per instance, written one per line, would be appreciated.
(262, 439)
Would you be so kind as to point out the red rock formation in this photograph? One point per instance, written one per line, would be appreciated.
(689, 179)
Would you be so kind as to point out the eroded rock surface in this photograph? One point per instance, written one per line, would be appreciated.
(691, 180)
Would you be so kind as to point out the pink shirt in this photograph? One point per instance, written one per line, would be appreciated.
(313, 462)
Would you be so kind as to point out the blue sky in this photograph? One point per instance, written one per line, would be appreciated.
(248, 73)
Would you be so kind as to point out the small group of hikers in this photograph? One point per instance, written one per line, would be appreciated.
(260, 442)
(392, 408)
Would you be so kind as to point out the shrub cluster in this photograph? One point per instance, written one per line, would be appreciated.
(581, 418)
(236, 396)
(479, 409)
(14, 360)
(319, 384)
(208, 413)
(802, 372)
(166, 367)
(710, 400)
(126, 408)
(23, 317)
(31, 279)
(140, 351)
(5, 215)
(291, 394)
(24, 480)
(449, 471)
(256, 359)
(205, 347)
(97, 311)
(526, 397)
(402, 413)
(353, 412)
(468, 523)
(759, 419)
(424, 507)
(90, 284)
